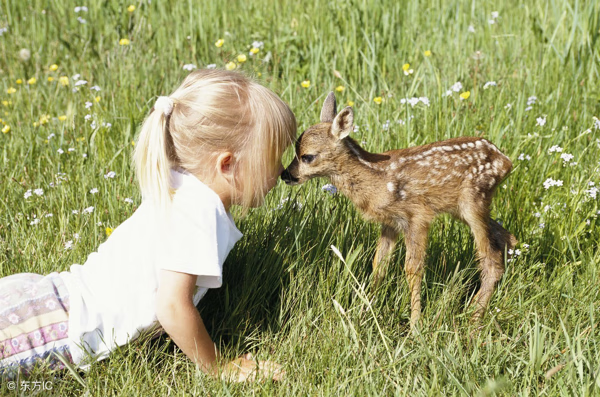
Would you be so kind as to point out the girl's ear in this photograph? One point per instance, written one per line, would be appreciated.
(225, 165)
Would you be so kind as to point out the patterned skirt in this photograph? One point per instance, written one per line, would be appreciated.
(34, 322)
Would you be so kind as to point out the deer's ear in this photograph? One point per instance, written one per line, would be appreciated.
(343, 123)
(329, 109)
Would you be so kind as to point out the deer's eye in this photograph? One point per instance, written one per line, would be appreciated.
(308, 158)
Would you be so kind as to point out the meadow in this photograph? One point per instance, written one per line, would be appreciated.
(77, 79)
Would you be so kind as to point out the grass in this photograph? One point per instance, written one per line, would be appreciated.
(287, 296)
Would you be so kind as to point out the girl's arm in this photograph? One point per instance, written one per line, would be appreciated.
(179, 317)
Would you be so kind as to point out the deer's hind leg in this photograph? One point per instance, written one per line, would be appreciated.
(491, 240)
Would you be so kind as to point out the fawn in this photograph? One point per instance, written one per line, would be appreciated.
(405, 189)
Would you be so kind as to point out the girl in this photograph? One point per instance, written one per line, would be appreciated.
(215, 142)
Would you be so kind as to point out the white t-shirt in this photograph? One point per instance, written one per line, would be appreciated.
(113, 295)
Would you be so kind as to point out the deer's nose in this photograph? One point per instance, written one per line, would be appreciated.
(288, 178)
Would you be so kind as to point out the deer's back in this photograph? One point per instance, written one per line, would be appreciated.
(436, 176)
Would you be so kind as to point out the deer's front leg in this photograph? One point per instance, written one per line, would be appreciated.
(387, 242)
(416, 244)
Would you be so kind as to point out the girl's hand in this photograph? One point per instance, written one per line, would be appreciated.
(245, 368)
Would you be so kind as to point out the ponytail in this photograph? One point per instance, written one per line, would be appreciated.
(151, 158)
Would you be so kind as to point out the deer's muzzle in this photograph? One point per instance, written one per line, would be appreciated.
(288, 178)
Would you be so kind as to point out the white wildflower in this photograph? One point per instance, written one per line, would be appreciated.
(81, 20)
(593, 192)
(329, 188)
(81, 8)
(555, 148)
(128, 200)
(258, 44)
(471, 29)
(27, 194)
(211, 66)
(566, 157)
(88, 105)
(51, 136)
(94, 190)
(541, 121)
(69, 245)
(87, 210)
(489, 84)
(551, 182)
(80, 82)
(24, 54)
(189, 67)
(39, 192)
(495, 14)
(110, 174)
(95, 88)
(524, 156)
(456, 87)
(60, 151)
(87, 117)
(35, 221)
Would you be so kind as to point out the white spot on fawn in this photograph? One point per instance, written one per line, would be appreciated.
(390, 186)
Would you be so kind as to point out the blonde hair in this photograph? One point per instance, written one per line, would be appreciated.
(214, 111)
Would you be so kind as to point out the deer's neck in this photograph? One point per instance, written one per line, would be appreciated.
(359, 172)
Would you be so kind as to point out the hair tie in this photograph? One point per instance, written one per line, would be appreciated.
(164, 104)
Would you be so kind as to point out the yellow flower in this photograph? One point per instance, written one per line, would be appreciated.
(51, 79)
(241, 58)
(44, 119)
(64, 80)
(378, 100)
(36, 124)
(5, 103)
(11, 90)
(19, 81)
(219, 43)
(132, 143)
(131, 8)
(62, 118)
(53, 67)
(305, 83)
(230, 66)
(350, 103)
(80, 139)
(254, 50)
(340, 88)
(97, 99)
(465, 95)
(427, 53)
(108, 231)
(31, 81)
(124, 42)
(406, 68)
(6, 129)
